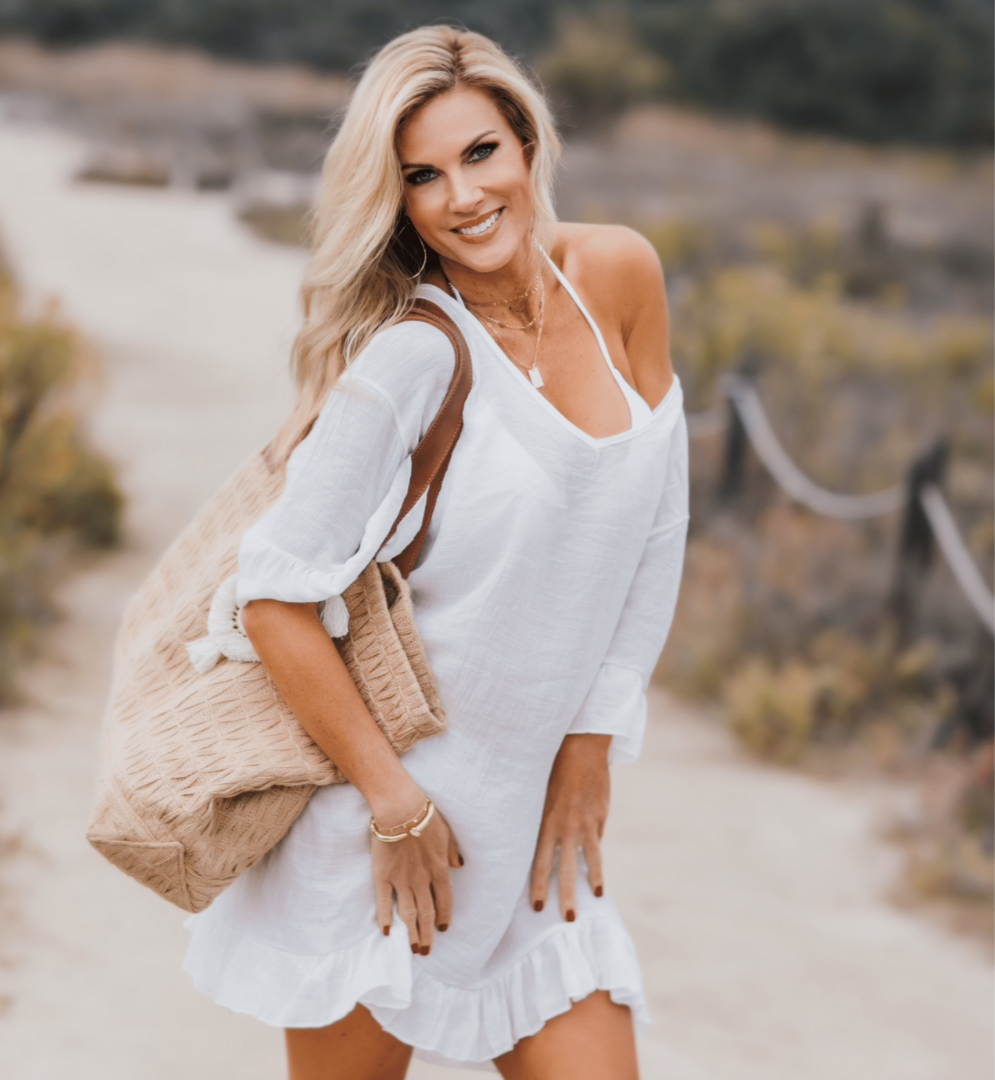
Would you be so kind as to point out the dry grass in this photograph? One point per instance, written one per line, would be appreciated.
(948, 845)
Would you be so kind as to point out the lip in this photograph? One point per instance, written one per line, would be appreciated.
(486, 235)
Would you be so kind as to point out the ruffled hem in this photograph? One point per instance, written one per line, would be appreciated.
(455, 1026)
(449, 1025)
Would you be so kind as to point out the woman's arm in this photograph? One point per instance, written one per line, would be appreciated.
(344, 487)
(308, 671)
(577, 797)
(573, 817)
(312, 678)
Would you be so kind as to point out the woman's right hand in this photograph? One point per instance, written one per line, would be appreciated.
(311, 675)
(415, 870)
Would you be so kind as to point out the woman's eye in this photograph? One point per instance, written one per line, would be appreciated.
(422, 176)
(484, 150)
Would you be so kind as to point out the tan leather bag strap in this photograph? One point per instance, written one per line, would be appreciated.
(431, 456)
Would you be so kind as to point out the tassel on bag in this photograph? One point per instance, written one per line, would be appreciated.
(203, 766)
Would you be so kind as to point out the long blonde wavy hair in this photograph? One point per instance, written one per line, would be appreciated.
(366, 261)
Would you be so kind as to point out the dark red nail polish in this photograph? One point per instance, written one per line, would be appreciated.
(460, 857)
(538, 905)
(598, 890)
(414, 949)
(443, 927)
(571, 916)
(386, 931)
(424, 950)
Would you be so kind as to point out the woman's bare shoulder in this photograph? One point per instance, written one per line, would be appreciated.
(619, 274)
(614, 259)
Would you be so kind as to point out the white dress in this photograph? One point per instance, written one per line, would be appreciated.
(543, 595)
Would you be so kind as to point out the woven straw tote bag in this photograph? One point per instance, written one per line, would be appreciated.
(203, 771)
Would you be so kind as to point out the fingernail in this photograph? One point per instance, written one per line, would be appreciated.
(443, 927)
(424, 950)
(538, 905)
(598, 890)
(571, 916)
(460, 857)
(414, 949)
(386, 931)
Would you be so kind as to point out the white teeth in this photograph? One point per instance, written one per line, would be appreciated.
(476, 230)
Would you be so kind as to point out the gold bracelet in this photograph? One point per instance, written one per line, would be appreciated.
(415, 827)
(409, 824)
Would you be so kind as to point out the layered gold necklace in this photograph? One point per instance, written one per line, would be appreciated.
(532, 370)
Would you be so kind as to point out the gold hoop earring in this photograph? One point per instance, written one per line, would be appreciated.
(424, 260)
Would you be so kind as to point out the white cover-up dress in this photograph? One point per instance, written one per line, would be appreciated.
(543, 596)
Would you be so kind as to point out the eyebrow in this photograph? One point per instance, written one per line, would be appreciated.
(464, 152)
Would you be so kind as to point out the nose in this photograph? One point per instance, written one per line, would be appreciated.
(464, 194)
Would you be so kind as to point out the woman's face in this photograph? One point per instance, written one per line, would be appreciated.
(466, 180)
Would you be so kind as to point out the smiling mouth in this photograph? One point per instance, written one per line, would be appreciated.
(481, 227)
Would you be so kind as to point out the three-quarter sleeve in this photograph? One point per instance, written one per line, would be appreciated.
(616, 702)
(347, 480)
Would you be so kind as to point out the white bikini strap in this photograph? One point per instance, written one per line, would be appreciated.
(583, 310)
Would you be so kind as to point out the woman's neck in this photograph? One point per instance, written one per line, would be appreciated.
(507, 286)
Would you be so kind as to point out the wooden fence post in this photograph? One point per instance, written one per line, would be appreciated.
(734, 454)
(737, 442)
(915, 538)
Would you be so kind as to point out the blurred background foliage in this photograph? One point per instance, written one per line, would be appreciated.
(911, 70)
(57, 497)
(786, 614)
(865, 348)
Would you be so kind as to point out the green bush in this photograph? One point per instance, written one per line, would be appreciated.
(914, 70)
(56, 495)
(596, 67)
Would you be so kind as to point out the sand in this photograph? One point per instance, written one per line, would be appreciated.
(758, 897)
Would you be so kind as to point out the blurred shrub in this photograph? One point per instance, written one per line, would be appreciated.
(916, 70)
(773, 710)
(951, 843)
(281, 224)
(55, 493)
(686, 245)
(596, 67)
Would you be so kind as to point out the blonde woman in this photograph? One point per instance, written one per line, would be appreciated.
(543, 596)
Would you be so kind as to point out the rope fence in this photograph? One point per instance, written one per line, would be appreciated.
(928, 517)
(962, 566)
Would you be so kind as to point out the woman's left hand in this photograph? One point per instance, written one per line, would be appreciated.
(574, 817)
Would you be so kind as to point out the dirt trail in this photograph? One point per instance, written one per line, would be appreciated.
(757, 897)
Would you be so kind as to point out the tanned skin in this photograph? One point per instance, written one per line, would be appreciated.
(461, 162)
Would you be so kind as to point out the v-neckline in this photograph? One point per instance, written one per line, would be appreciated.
(515, 369)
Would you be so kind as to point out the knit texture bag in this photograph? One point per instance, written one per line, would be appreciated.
(203, 771)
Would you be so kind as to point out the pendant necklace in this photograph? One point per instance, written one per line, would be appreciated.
(535, 377)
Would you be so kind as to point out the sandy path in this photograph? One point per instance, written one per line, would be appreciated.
(756, 897)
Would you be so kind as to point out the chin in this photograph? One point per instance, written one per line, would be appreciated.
(486, 258)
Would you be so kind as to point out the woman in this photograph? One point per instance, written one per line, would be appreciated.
(543, 596)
